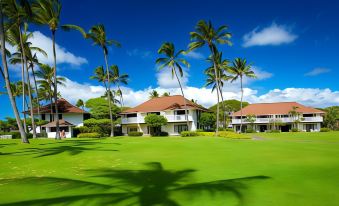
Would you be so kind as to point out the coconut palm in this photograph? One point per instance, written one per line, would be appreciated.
(47, 12)
(118, 79)
(172, 60)
(5, 74)
(206, 34)
(240, 69)
(98, 35)
(153, 94)
(222, 67)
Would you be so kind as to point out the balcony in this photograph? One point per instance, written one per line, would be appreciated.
(284, 120)
(170, 118)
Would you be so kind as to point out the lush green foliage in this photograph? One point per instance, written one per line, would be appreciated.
(231, 105)
(325, 129)
(89, 135)
(154, 120)
(250, 130)
(98, 107)
(16, 135)
(135, 134)
(188, 134)
(273, 131)
(294, 130)
(331, 119)
(207, 120)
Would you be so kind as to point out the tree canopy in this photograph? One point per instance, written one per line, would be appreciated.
(98, 108)
(230, 105)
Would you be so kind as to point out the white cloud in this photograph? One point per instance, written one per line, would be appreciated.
(272, 35)
(309, 96)
(317, 71)
(45, 43)
(140, 53)
(165, 80)
(195, 55)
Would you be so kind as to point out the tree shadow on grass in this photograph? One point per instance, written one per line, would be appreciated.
(71, 148)
(152, 186)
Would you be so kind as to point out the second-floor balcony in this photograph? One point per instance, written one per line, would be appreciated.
(283, 120)
(140, 119)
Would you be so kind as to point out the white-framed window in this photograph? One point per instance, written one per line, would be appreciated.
(180, 127)
(132, 129)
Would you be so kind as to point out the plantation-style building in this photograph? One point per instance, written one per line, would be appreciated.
(278, 116)
(70, 116)
(171, 107)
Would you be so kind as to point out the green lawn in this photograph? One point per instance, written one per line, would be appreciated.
(275, 169)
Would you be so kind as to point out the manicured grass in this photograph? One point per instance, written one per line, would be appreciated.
(275, 169)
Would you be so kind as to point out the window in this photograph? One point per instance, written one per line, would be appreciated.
(53, 129)
(157, 113)
(131, 115)
(60, 116)
(180, 127)
(180, 112)
(308, 115)
(51, 117)
(43, 116)
(132, 129)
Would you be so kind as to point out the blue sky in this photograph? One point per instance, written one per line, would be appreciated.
(293, 47)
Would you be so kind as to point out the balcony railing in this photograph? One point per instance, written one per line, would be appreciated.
(170, 118)
(284, 120)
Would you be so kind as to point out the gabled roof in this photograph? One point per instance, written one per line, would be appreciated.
(61, 123)
(275, 108)
(164, 103)
(63, 107)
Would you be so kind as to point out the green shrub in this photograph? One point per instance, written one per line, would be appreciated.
(294, 130)
(163, 134)
(205, 133)
(229, 129)
(135, 134)
(83, 129)
(273, 131)
(89, 135)
(324, 129)
(199, 130)
(42, 134)
(250, 130)
(233, 135)
(188, 133)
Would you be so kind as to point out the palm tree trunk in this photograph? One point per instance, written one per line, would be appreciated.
(109, 95)
(36, 89)
(7, 81)
(185, 103)
(242, 93)
(57, 130)
(223, 105)
(23, 91)
(28, 83)
(217, 82)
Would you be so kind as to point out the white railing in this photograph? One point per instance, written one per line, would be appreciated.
(170, 118)
(284, 119)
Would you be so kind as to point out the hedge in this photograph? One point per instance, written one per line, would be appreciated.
(89, 135)
(325, 129)
(135, 134)
(225, 134)
(188, 133)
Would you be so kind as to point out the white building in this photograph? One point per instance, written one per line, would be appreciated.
(171, 107)
(268, 116)
(69, 116)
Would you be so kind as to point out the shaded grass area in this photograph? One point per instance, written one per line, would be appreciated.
(172, 171)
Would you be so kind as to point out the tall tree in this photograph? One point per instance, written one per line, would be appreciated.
(118, 79)
(173, 60)
(80, 103)
(47, 12)
(98, 35)
(5, 73)
(240, 69)
(222, 67)
(153, 94)
(206, 34)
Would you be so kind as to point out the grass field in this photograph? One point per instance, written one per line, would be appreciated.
(274, 169)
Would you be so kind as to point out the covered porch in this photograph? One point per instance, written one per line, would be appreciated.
(65, 126)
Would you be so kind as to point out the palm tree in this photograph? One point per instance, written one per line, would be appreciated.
(98, 35)
(47, 12)
(153, 94)
(5, 74)
(239, 70)
(222, 66)
(204, 34)
(174, 62)
(45, 76)
(118, 79)
(166, 94)
(80, 103)
(295, 115)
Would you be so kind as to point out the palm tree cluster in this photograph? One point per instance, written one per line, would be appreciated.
(220, 69)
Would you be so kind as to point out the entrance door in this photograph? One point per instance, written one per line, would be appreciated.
(309, 127)
(262, 128)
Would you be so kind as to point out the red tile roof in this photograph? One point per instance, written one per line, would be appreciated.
(275, 108)
(61, 123)
(164, 103)
(63, 107)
